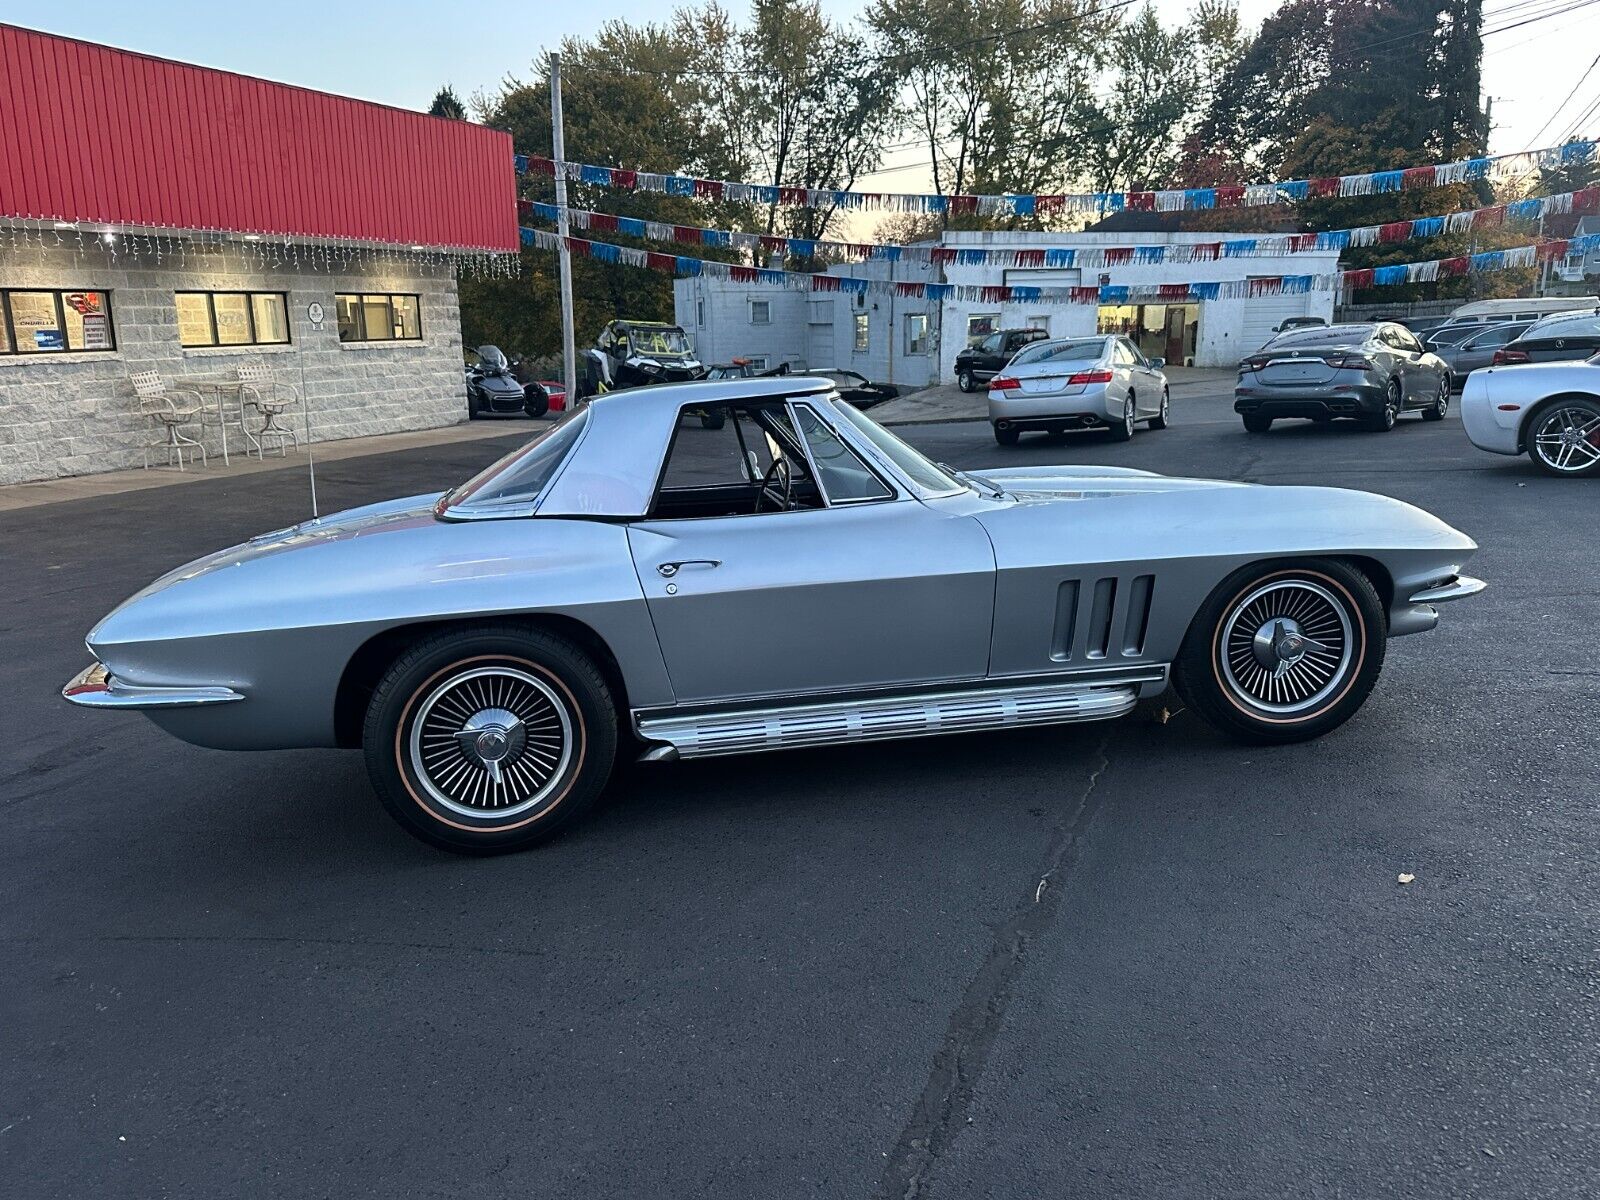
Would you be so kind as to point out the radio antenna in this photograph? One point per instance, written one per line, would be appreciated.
(314, 314)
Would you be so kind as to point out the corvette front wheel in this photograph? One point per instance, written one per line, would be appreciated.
(1283, 652)
(490, 740)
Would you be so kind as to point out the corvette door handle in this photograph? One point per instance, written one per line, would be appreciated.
(669, 569)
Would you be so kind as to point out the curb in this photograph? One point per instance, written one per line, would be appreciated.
(930, 421)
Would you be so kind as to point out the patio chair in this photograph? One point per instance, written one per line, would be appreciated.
(271, 399)
(173, 409)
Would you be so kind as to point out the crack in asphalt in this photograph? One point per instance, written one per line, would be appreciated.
(975, 1023)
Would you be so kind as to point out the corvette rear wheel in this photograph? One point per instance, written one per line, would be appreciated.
(1564, 437)
(492, 740)
(1283, 652)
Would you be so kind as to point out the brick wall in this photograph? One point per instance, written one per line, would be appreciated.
(71, 414)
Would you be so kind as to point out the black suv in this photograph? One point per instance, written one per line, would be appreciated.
(981, 362)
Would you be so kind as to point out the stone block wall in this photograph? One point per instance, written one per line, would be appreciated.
(65, 413)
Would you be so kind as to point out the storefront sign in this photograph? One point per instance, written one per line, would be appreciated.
(48, 339)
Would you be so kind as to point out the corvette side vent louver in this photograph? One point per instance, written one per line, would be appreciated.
(1110, 628)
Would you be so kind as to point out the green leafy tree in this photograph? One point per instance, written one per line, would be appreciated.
(817, 113)
(997, 92)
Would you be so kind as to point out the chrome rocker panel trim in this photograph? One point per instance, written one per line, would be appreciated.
(95, 687)
(1458, 588)
(703, 735)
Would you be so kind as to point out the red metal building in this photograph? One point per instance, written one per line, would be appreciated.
(103, 136)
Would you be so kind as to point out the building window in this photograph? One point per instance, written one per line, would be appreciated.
(42, 322)
(981, 325)
(232, 318)
(1040, 321)
(699, 312)
(758, 362)
(761, 312)
(916, 333)
(863, 332)
(378, 318)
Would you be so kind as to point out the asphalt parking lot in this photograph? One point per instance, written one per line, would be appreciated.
(1128, 959)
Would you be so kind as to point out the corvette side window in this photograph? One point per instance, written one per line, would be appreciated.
(845, 478)
(730, 460)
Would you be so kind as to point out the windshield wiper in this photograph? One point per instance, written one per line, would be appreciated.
(977, 481)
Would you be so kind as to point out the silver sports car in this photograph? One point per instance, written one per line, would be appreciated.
(1549, 410)
(635, 582)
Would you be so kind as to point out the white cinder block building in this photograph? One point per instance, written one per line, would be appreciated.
(251, 225)
(913, 342)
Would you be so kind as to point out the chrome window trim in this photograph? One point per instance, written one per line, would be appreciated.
(869, 449)
(816, 475)
(468, 511)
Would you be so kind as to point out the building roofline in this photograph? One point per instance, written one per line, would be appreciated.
(194, 66)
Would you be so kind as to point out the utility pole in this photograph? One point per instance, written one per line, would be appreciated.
(558, 142)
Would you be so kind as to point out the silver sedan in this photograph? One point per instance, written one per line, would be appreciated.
(1078, 383)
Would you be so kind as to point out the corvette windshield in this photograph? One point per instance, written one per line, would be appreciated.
(925, 474)
(520, 476)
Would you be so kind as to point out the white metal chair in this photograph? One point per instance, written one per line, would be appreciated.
(173, 409)
(271, 399)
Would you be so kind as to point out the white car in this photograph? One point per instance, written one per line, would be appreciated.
(1078, 383)
(1550, 411)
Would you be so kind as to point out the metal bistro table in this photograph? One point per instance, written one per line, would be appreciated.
(220, 387)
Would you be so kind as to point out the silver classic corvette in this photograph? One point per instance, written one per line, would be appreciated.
(634, 582)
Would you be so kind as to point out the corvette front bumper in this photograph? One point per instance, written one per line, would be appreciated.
(96, 687)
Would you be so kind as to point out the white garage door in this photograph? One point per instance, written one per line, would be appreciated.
(1260, 316)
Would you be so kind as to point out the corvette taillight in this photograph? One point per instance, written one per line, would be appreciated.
(1506, 358)
(1004, 383)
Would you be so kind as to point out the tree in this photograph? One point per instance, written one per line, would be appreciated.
(1155, 82)
(996, 91)
(447, 104)
(818, 114)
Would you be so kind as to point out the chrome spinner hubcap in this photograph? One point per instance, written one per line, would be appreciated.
(491, 742)
(1286, 646)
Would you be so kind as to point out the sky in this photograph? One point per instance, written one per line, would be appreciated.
(401, 52)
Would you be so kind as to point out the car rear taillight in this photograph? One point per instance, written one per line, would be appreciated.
(1348, 362)
(1258, 363)
(1083, 377)
(1004, 383)
(1506, 358)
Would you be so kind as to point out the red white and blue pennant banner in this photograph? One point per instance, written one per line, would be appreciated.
(1232, 289)
(1287, 191)
(1259, 246)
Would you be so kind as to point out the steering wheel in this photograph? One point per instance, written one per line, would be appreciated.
(777, 485)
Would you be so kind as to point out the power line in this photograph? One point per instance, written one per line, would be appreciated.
(1567, 99)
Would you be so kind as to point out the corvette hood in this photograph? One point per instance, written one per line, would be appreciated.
(1077, 483)
(370, 520)
(385, 517)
